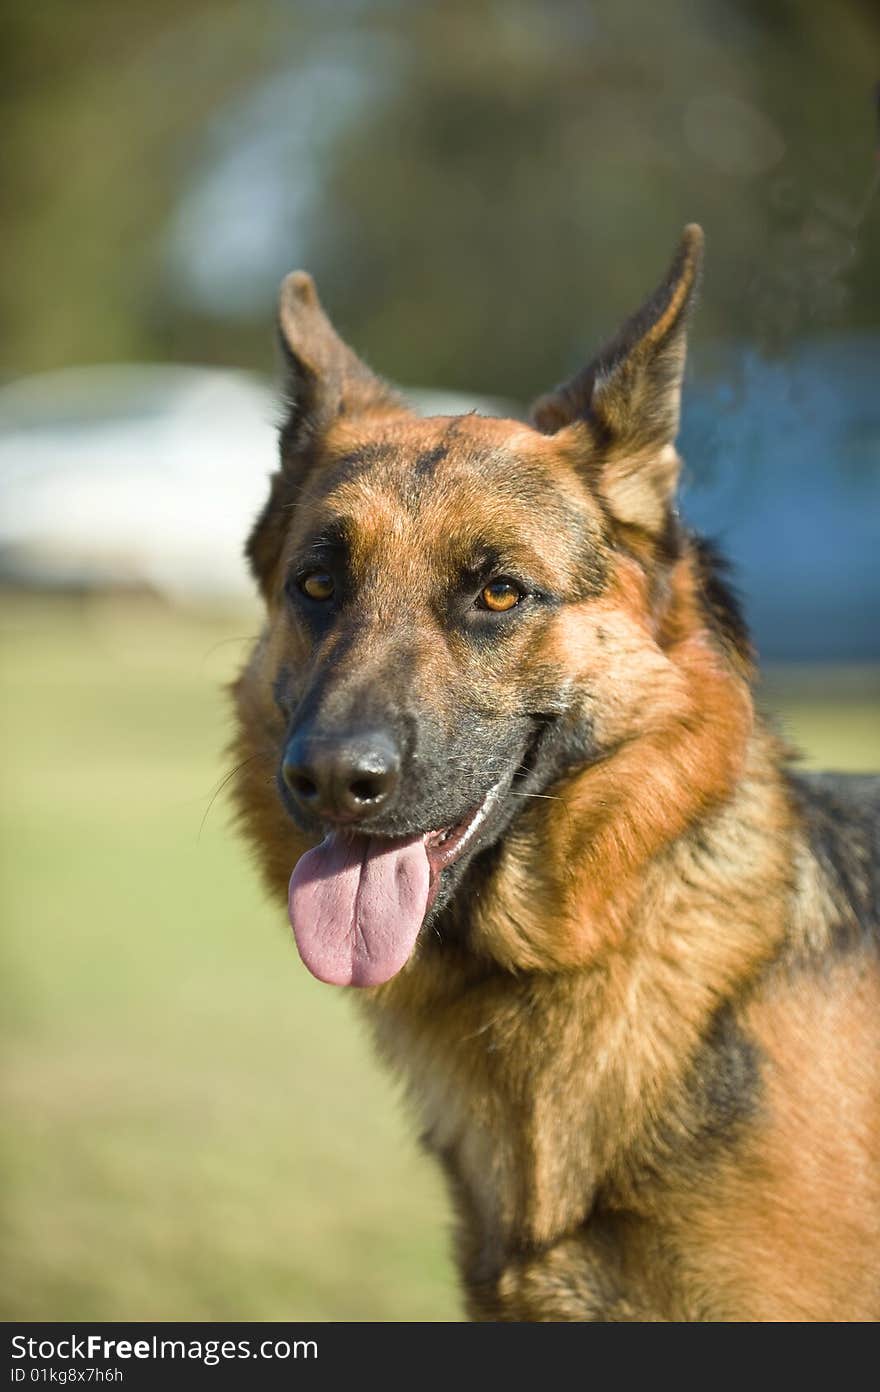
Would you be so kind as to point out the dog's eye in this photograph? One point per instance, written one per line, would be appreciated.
(318, 584)
(500, 595)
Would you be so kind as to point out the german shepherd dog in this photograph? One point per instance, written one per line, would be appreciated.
(625, 959)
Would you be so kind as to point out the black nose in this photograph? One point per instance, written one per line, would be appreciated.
(345, 777)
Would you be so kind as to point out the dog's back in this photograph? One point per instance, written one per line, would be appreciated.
(841, 812)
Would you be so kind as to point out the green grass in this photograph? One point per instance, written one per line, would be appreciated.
(195, 1129)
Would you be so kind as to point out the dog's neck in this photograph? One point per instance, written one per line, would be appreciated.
(583, 1048)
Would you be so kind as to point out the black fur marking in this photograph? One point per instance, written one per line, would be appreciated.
(376, 452)
(720, 1096)
(841, 815)
(331, 544)
(426, 464)
(721, 604)
(668, 545)
(725, 1081)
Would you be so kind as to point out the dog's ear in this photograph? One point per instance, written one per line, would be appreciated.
(628, 398)
(323, 379)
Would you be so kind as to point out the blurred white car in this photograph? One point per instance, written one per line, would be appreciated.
(142, 475)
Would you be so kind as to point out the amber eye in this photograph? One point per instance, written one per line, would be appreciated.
(317, 585)
(500, 595)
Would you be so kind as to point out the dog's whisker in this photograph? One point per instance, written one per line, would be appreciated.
(251, 758)
(227, 778)
(224, 642)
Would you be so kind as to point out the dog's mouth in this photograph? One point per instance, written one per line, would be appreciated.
(357, 902)
(443, 848)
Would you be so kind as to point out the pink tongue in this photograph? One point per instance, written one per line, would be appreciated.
(356, 905)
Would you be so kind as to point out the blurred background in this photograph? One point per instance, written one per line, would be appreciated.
(195, 1128)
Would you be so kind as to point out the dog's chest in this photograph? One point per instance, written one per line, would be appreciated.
(466, 1123)
(517, 1158)
(459, 1087)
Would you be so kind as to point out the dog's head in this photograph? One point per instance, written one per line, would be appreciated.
(461, 612)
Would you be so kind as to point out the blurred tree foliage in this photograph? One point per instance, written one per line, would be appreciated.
(509, 182)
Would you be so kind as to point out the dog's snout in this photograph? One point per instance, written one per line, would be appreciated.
(346, 778)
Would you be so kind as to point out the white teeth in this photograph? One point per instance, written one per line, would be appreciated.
(438, 839)
(481, 814)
